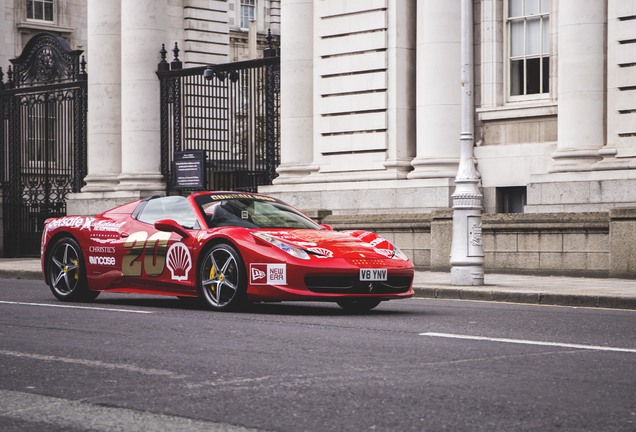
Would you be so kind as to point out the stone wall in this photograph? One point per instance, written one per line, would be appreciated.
(599, 244)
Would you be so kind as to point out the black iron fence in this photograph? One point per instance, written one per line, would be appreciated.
(228, 111)
(43, 106)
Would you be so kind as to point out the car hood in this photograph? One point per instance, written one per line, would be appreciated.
(334, 244)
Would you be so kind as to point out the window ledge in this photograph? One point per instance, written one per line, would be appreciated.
(517, 111)
(26, 25)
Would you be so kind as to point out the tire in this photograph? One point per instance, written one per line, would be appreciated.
(222, 279)
(66, 273)
(358, 305)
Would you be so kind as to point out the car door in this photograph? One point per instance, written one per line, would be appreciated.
(155, 260)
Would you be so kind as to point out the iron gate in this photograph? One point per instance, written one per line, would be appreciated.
(231, 112)
(43, 110)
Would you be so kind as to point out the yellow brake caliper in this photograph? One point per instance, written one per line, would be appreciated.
(76, 262)
(212, 274)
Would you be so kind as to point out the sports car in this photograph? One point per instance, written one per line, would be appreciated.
(225, 248)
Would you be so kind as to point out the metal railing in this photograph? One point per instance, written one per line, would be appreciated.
(43, 107)
(231, 112)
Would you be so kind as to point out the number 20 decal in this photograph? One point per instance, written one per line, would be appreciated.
(153, 250)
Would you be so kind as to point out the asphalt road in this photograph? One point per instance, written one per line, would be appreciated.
(133, 363)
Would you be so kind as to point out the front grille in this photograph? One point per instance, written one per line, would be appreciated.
(352, 285)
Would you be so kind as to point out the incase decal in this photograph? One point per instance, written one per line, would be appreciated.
(102, 260)
(268, 274)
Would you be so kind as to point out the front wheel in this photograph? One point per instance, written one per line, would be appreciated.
(66, 275)
(222, 280)
(358, 305)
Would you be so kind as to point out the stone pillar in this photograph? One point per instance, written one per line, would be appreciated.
(297, 75)
(438, 96)
(104, 90)
(441, 239)
(401, 75)
(143, 30)
(622, 244)
(581, 79)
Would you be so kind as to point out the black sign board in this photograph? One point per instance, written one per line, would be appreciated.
(189, 169)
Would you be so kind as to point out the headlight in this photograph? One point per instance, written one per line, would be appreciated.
(399, 254)
(292, 250)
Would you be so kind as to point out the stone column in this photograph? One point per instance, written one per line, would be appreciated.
(104, 90)
(143, 30)
(581, 84)
(401, 75)
(297, 75)
(438, 94)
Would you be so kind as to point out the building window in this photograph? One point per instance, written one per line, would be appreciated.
(511, 199)
(528, 32)
(40, 10)
(248, 12)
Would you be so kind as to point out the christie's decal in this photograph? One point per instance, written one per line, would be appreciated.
(179, 261)
(268, 274)
(101, 249)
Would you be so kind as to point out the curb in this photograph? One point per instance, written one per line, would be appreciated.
(540, 298)
(465, 293)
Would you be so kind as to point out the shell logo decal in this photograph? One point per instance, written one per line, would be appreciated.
(179, 261)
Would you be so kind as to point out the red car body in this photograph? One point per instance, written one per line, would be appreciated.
(162, 245)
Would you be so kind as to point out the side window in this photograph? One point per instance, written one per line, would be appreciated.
(174, 207)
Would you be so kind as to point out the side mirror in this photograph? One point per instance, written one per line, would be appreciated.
(170, 225)
(327, 227)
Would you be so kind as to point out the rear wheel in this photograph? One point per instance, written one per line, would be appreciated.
(66, 274)
(358, 305)
(222, 280)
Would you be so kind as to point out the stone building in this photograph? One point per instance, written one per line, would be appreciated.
(371, 124)
(121, 43)
(371, 114)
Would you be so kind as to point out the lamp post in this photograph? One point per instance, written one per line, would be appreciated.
(467, 251)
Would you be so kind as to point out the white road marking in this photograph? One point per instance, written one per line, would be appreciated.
(25, 409)
(75, 307)
(94, 363)
(529, 342)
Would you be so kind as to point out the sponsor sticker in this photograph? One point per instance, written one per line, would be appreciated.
(386, 252)
(219, 197)
(179, 261)
(321, 252)
(68, 221)
(268, 274)
(102, 260)
(87, 224)
(102, 249)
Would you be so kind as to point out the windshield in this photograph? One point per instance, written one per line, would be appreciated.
(251, 212)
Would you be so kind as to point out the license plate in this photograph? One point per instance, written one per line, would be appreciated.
(373, 275)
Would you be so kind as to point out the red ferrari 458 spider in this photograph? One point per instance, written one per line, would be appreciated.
(227, 248)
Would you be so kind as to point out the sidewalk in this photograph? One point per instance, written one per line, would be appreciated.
(545, 290)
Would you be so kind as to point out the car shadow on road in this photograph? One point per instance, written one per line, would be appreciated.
(274, 308)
